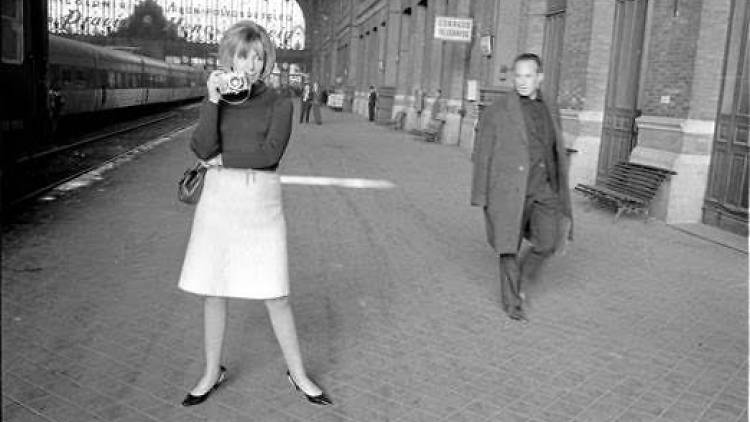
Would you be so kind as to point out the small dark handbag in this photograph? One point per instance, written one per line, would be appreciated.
(190, 186)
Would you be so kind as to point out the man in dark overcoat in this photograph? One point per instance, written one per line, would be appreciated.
(372, 101)
(521, 180)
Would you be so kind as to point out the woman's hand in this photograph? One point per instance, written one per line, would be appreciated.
(213, 86)
(213, 162)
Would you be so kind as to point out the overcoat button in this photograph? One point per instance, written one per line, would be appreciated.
(520, 168)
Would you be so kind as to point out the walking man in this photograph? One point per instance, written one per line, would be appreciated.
(521, 180)
(306, 104)
(372, 100)
(317, 100)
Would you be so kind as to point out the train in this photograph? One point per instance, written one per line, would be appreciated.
(86, 78)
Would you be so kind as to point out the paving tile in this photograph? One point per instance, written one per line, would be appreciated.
(16, 412)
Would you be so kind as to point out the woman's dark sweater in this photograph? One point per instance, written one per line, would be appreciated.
(253, 134)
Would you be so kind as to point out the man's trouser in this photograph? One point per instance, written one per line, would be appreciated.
(541, 216)
(305, 113)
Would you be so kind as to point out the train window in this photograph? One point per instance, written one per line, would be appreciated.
(103, 78)
(54, 75)
(120, 80)
(111, 79)
(66, 76)
(12, 31)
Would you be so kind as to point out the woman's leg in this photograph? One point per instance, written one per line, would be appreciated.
(282, 320)
(214, 322)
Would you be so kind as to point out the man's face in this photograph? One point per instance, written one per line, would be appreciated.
(526, 79)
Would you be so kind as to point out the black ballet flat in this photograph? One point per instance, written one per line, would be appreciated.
(321, 399)
(191, 400)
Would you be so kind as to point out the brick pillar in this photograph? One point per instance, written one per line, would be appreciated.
(403, 62)
(333, 68)
(583, 82)
(380, 43)
(482, 12)
(433, 59)
(679, 100)
(454, 68)
(352, 80)
(532, 27)
(387, 89)
(415, 86)
(507, 30)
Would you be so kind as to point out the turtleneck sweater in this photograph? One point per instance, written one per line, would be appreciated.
(252, 134)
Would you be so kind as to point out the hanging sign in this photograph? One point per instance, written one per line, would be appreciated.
(453, 29)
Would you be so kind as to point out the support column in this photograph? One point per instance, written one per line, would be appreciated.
(387, 91)
(404, 63)
(583, 83)
(679, 109)
(334, 53)
(454, 69)
(433, 59)
(416, 84)
(353, 71)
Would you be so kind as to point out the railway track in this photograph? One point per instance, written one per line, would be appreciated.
(35, 175)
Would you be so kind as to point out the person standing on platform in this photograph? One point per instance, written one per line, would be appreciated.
(372, 101)
(237, 246)
(521, 180)
(317, 99)
(305, 103)
(437, 105)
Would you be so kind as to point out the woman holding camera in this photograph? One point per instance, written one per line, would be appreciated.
(237, 246)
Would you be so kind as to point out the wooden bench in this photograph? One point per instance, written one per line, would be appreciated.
(628, 187)
(396, 123)
(432, 132)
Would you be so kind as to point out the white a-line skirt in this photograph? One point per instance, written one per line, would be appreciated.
(237, 245)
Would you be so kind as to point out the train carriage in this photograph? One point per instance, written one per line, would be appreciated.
(92, 78)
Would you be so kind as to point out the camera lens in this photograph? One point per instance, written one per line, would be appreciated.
(235, 82)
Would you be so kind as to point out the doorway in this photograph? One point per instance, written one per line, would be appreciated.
(725, 204)
(619, 135)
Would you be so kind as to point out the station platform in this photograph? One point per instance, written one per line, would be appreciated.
(395, 294)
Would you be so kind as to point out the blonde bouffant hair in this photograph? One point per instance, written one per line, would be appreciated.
(245, 36)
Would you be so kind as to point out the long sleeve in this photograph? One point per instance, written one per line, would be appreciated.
(206, 140)
(279, 130)
(481, 156)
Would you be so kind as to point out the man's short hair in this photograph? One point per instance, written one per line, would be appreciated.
(372, 87)
(531, 57)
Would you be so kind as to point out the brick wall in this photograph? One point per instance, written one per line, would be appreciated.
(575, 54)
(709, 59)
(671, 56)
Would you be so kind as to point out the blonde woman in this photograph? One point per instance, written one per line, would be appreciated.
(237, 246)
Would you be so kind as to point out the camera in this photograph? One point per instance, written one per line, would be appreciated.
(232, 83)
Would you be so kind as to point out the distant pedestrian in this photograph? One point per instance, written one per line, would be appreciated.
(55, 105)
(317, 99)
(418, 101)
(305, 104)
(372, 100)
(521, 180)
(437, 105)
(237, 246)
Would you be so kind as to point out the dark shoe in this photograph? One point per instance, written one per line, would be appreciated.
(518, 315)
(191, 400)
(321, 399)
